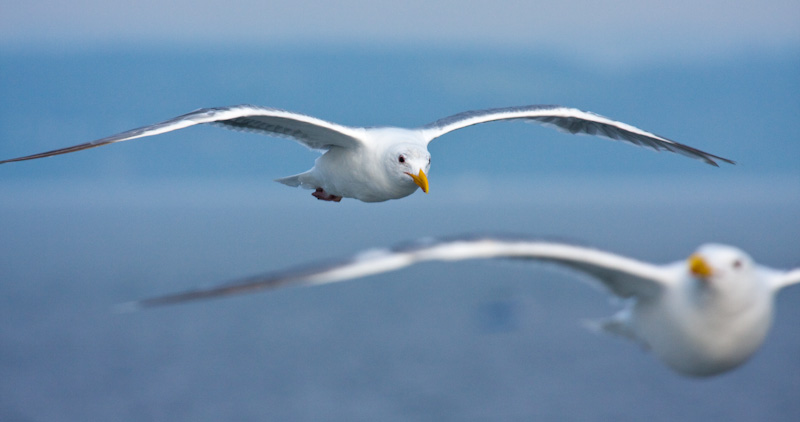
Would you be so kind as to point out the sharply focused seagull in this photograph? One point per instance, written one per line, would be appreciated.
(702, 316)
(375, 164)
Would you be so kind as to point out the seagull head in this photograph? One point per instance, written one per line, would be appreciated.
(410, 163)
(713, 263)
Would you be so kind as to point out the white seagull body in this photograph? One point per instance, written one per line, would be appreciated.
(702, 316)
(376, 164)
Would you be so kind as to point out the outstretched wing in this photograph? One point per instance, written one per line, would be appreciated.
(309, 131)
(787, 279)
(625, 277)
(570, 120)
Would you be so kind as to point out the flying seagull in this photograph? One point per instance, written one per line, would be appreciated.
(375, 164)
(701, 316)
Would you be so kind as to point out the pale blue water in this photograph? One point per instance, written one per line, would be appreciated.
(474, 341)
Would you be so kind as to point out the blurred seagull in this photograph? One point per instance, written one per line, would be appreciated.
(702, 316)
(375, 164)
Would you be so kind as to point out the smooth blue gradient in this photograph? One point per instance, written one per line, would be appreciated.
(82, 232)
(612, 34)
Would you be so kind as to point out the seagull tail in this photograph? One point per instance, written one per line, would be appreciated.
(618, 325)
(298, 180)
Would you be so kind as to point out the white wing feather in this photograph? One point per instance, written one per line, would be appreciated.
(310, 131)
(625, 277)
(570, 120)
(787, 279)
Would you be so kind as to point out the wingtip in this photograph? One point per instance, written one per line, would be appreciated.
(26, 158)
(712, 160)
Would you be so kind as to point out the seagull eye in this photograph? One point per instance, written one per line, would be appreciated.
(402, 159)
(737, 264)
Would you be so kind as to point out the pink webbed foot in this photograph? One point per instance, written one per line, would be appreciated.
(325, 196)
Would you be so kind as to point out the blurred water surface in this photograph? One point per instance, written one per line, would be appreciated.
(471, 341)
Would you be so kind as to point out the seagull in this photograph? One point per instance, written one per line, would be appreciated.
(375, 164)
(701, 316)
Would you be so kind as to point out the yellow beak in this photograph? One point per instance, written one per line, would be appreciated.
(421, 180)
(698, 267)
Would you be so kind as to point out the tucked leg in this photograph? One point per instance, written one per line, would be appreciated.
(325, 196)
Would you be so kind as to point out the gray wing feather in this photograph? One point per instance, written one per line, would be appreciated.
(625, 277)
(569, 120)
(309, 131)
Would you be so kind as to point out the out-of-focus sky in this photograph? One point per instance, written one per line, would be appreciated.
(81, 232)
(596, 30)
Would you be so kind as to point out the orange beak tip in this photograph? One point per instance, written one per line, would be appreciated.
(421, 180)
(699, 267)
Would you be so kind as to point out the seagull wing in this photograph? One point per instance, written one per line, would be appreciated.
(787, 279)
(570, 120)
(309, 131)
(625, 277)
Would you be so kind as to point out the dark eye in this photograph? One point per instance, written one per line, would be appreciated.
(402, 159)
(737, 264)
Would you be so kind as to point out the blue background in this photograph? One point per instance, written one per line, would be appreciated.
(473, 341)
